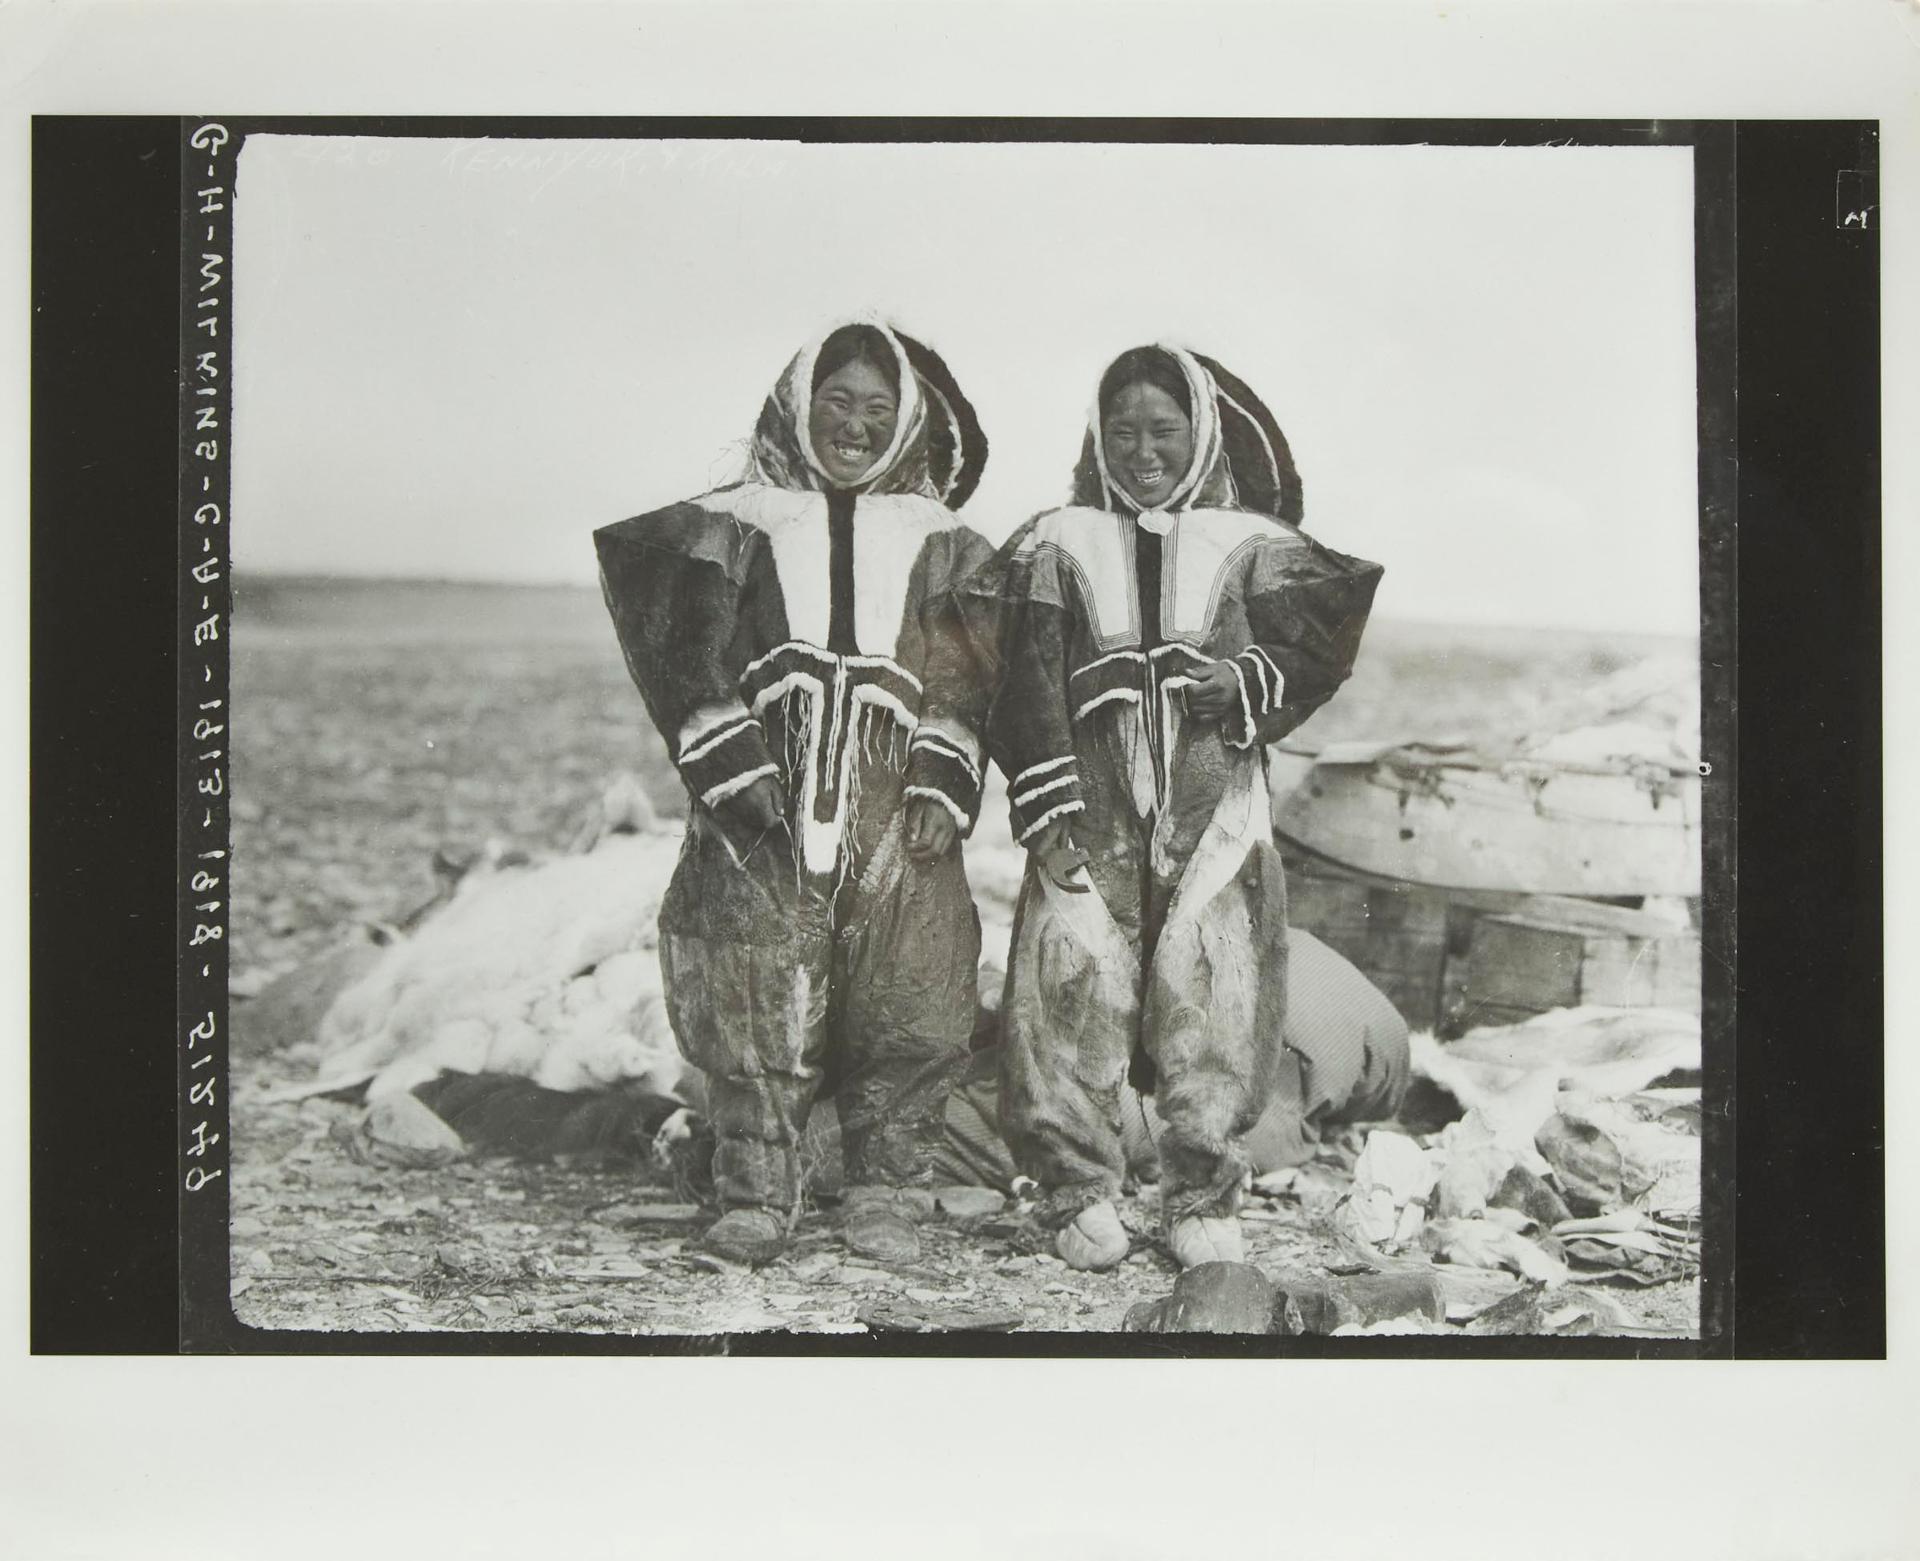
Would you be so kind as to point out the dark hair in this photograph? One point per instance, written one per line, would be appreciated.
(1148, 365)
(856, 342)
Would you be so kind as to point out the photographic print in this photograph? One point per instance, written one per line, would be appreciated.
(1159, 703)
(928, 737)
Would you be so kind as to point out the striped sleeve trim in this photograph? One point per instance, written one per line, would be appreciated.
(952, 739)
(725, 757)
(1241, 735)
(961, 820)
(735, 784)
(1046, 818)
(1027, 797)
(1043, 792)
(1259, 654)
(709, 725)
(1042, 768)
(1257, 670)
(694, 752)
(935, 769)
(1263, 688)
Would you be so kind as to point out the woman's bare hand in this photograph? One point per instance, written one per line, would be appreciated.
(930, 830)
(747, 815)
(1215, 694)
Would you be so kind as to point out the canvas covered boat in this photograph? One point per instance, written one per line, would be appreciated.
(1604, 805)
(1482, 884)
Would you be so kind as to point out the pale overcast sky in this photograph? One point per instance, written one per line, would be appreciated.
(458, 358)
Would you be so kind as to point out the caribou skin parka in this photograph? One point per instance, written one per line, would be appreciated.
(1172, 970)
(783, 626)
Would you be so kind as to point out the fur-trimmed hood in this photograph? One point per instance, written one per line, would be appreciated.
(1240, 456)
(938, 448)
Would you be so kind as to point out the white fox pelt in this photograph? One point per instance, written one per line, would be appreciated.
(547, 972)
(550, 971)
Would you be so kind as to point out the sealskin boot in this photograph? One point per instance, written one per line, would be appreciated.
(875, 1224)
(1095, 1240)
(752, 1236)
(1198, 1239)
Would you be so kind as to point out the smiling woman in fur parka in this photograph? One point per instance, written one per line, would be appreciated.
(818, 934)
(1151, 637)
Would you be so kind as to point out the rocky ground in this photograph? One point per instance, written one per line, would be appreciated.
(320, 1241)
(324, 1241)
(376, 724)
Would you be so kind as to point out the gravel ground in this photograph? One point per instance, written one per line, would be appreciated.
(320, 1241)
(376, 724)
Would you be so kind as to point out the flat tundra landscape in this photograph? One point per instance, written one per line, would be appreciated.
(377, 723)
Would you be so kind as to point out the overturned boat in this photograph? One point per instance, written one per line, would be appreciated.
(1479, 884)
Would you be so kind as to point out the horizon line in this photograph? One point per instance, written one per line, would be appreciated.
(241, 577)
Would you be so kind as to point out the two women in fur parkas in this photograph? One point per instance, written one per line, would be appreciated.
(833, 657)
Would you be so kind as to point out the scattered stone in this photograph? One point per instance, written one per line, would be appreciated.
(402, 1130)
(1594, 1171)
(1472, 1290)
(1525, 1192)
(1212, 1298)
(885, 1317)
(1312, 1305)
(1565, 1310)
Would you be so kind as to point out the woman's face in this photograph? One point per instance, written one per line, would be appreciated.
(851, 420)
(1148, 442)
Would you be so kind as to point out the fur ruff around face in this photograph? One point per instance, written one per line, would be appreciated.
(1240, 461)
(938, 448)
